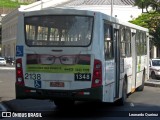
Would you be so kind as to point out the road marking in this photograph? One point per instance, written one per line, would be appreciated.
(7, 68)
(132, 105)
(2, 108)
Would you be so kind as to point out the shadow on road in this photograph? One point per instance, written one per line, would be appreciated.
(80, 109)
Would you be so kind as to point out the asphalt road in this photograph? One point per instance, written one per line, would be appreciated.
(145, 103)
(7, 83)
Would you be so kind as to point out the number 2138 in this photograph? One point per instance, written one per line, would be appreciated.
(32, 76)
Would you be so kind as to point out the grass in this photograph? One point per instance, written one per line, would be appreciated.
(10, 4)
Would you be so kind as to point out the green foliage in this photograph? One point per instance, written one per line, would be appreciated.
(150, 21)
(10, 4)
(156, 35)
(139, 3)
(148, 4)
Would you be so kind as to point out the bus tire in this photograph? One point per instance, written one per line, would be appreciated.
(153, 76)
(63, 103)
(122, 100)
(141, 88)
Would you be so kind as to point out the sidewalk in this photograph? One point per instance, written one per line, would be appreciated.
(152, 83)
(7, 67)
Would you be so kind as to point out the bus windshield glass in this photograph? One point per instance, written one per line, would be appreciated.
(58, 30)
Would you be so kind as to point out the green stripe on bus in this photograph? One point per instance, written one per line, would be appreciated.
(58, 68)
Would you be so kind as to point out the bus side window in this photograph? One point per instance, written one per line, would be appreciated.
(138, 43)
(149, 63)
(108, 41)
(125, 44)
(128, 42)
(145, 43)
(122, 45)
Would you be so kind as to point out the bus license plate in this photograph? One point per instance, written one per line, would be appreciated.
(82, 76)
(56, 84)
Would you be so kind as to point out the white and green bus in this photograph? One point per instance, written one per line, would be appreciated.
(68, 55)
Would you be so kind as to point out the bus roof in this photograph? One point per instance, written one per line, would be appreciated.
(82, 11)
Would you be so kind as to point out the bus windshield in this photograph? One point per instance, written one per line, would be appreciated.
(58, 30)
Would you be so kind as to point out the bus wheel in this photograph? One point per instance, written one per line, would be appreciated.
(153, 76)
(122, 100)
(64, 103)
(140, 88)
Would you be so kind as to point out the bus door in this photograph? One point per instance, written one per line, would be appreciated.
(134, 58)
(109, 54)
(112, 61)
(117, 62)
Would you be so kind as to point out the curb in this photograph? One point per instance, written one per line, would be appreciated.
(2, 108)
(152, 84)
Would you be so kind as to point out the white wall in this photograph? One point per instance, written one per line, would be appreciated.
(124, 13)
(41, 4)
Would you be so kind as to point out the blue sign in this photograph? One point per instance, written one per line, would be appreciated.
(37, 84)
(19, 51)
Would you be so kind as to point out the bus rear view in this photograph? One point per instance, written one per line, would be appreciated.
(69, 55)
(54, 58)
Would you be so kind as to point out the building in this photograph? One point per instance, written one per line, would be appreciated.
(4, 11)
(122, 9)
(9, 25)
(26, 1)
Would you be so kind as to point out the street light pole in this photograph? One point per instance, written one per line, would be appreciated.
(111, 8)
(41, 4)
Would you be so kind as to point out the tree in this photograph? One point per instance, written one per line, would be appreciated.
(148, 4)
(150, 21)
